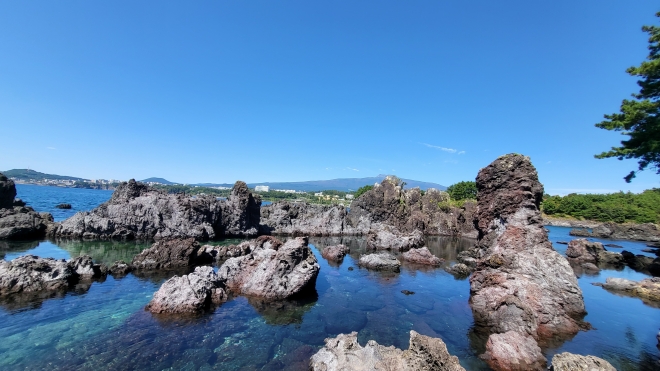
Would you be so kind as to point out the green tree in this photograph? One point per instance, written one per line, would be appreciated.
(640, 117)
(362, 190)
(463, 191)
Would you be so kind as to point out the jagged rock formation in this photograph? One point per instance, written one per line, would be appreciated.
(29, 273)
(18, 221)
(272, 271)
(335, 253)
(389, 238)
(647, 289)
(222, 253)
(345, 353)
(380, 262)
(421, 256)
(521, 283)
(513, 351)
(170, 254)
(574, 362)
(137, 211)
(387, 207)
(120, 269)
(616, 231)
(588, 255)
(191, 293)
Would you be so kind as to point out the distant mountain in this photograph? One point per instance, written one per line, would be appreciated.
(344, 184)
(157, 180)
(27, 174)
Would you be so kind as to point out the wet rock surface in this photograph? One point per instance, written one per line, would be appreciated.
(574, 362)
(335, 253)
(421, 256)
(380, 262)
(271, 271)
(192, 293)
(169, 254)
(514, 351)
(137, 211)
(520, 283)
(388, 238)
(647, 289)
(120, 269)
(345, 353)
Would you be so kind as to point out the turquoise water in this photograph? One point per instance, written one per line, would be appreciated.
(103, 326)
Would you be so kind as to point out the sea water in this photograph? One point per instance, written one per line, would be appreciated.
(103, 325)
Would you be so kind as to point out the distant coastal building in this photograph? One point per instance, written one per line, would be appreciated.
(262, 188)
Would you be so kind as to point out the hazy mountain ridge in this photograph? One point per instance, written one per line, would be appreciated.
(341, 184)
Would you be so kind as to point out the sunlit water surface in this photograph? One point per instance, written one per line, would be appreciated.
(103, 325)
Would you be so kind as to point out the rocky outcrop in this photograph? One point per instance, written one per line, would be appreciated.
(459, 270)
(271, 271)
(574, 362)
(192, 293)
(388, 238)
(520, 283)
(387, 207)
(224, 252)
(421, 256)
(582, 251)
(169, 254)
(137, 211)
(408, 210)
(63, 206)
(335, 253)
(120, 269)
(380, 262)
(616, 231)
(18, 221)
(29, 273)
(647, 289)
(303, 219)
(513, 351)
(345, 353)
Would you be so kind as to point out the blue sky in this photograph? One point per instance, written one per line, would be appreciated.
(215, 91)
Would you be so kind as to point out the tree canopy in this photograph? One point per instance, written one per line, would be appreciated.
(463, 191)
(639, 118)
(362, 190)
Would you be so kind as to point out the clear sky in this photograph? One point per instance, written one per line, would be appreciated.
(215, 91)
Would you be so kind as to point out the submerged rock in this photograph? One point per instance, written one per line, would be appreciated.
(574, 362)
(647, 289)
(272, 271)
(380, 262)
(345, 353)
(169, 254)
(513, 351)
(388, 238)
(191, 293)
(335, 253)
(421, 256)
(137, 211)
(521, 283)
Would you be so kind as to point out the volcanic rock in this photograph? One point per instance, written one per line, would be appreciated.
(345, 353)
(421, 256)
(120, 269)
(380, 262)
(388, 238)
(191, 293)
(647, 289)
(222, 253)
(460, 270)
(84, 268)
(520, 283)
(335, 253)
(63, 206)
(169, 254)
(7, 192)
(513, 351)
(582, 251)
(30, 273)
(16, 220)
(137, 211)
(574, 362)
(618, 231)
(303, 219)
(271, 271)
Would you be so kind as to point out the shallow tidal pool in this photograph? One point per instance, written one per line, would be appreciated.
(103, 326)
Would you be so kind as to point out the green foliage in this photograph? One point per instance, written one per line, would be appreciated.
(192, 190)
(463, 191)
(445, 206)
(640, 118)
(362, 190)
(615, 207)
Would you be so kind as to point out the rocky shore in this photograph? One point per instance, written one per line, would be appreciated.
(18, 221)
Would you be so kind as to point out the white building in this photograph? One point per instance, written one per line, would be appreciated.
(262, 188)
